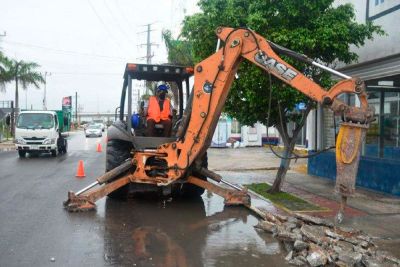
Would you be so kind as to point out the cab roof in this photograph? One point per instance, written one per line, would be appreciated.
(153, 72)
(38, 111)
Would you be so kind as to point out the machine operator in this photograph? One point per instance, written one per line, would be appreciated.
(159, 111)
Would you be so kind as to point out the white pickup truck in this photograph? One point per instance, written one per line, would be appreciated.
(39, 131)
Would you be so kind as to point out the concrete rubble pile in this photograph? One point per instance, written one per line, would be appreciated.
(313, 241)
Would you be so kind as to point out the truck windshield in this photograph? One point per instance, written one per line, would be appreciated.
(35, 121)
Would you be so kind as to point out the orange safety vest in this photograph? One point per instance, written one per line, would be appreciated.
(154, 111)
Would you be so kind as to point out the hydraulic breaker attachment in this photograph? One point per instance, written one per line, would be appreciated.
(237, 196)
(348, 148)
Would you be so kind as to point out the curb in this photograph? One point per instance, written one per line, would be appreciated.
(291, 212)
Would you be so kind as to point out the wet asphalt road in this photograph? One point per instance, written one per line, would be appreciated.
(35, 230)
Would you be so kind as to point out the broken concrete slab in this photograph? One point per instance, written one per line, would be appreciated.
(300, 245)
(315, 233)
(266, 226)
(313, 220)
(316, 256)
(350, 258)
(312, 241)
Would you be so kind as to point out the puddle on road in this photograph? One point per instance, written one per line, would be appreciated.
(198, 232)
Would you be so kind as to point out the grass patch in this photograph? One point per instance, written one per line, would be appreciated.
(283, 199)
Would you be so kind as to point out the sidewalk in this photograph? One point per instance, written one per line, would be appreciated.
(7, 145)
(376, 214)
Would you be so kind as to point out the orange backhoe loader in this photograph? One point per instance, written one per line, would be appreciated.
(179, 162)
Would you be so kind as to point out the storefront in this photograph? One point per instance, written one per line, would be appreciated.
(380, 161)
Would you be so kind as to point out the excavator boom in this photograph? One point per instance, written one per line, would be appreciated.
(213, 78)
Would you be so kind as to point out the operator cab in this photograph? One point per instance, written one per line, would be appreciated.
(135, 121)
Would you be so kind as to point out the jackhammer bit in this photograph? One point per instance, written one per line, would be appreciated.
(348, 148)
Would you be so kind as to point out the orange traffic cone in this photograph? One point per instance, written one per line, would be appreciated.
(98, 149)
(81, 171)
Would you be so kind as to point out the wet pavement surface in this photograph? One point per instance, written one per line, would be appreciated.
(35, 230)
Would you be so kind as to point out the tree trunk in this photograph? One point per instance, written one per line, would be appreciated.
(288, 146)
(175, 94)
(283, 168)
(16, 111)
(16, 93)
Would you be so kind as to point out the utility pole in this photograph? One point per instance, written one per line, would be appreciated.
(45, 84)
(149, 54)
(148, 43)
(76, 107)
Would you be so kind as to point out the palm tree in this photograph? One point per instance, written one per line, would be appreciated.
(4, 74)
(24, 73)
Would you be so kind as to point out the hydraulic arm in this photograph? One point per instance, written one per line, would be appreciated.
(212, 82)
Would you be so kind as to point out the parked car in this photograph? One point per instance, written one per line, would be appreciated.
(93, 130)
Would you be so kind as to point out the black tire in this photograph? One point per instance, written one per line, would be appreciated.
(62, 146)
(54, 153)
(189, 190)
(117, 152)
(21, 153)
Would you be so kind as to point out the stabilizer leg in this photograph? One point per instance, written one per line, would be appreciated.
(86, 201)
(232, 197)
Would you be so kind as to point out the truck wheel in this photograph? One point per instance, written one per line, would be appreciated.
(65, 148)
(62, 146)
(54, 153)
(190, 190)
(21, 153)
(117, 152)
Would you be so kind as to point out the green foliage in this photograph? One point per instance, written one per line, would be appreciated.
(315, 28)
(179, 51)
(21, 72)
(25, 73)
(4, 74)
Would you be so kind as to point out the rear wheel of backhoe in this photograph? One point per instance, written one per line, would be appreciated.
(117, 152)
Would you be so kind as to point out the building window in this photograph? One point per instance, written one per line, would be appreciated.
(236, 127)
(383, 136)
(377, 2)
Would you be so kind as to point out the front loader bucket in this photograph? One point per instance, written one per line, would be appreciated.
(348, 149)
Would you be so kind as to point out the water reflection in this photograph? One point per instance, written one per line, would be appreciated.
(182, 233)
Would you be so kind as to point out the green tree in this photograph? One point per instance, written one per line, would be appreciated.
(24, 73)
(4, 75)
(179, 53)
(315, 28)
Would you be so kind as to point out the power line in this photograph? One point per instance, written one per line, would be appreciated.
(116, 20)
(67, 52)
(123, 15)
(104, 25)
(87, 73)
